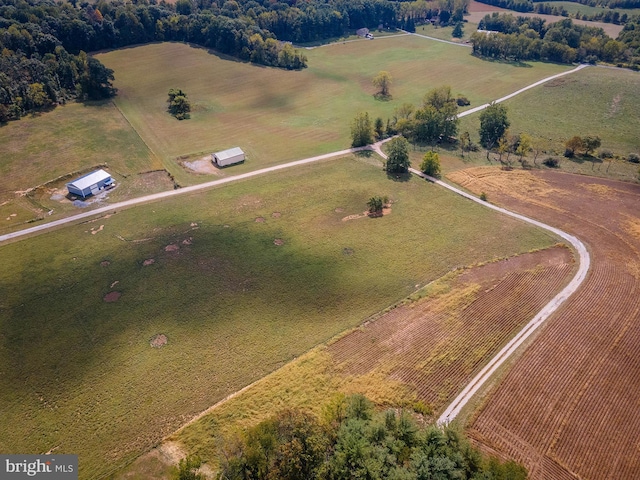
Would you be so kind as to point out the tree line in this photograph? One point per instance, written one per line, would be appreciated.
(524, 38)
(352, 440)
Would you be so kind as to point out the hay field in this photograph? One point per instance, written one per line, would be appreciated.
(277, 115)
(240, 280)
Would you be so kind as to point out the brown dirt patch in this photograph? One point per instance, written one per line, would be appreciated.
(171, 248)
(112, 297)
(259, 220)
(95, 230)
(158, 340)
(276, 214)
(105, 263)
(568, 406)
(149, 261)
(202, 165)
(278, 242)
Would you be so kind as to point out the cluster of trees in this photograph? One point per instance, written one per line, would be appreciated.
(436, 120)
(354, 441)
(630, 38)
(588, 144)
(418, 12)
(524, 38)
(606, 15)
(606, 3)
(37, 72)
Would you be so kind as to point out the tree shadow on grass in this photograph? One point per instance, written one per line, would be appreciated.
(399, 176)
(383, 98)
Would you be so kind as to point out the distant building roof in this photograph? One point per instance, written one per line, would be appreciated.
(90, 179)
(225, 154)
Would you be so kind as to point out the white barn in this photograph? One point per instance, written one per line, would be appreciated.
(228, 157)
(90, 184)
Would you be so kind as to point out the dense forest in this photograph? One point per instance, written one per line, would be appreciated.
(353, 441)
(526, 38)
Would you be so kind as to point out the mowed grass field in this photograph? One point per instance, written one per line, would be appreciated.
(573, 7)
(70, 138)
(276, 115)
(593, 101)
(244, 278)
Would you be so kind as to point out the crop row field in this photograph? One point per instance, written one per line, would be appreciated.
(164, 309)
(567, 409)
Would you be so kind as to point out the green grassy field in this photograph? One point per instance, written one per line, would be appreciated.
(80, 375)
(594, 101)
(277, 115)
(74, 137)
(572, 8)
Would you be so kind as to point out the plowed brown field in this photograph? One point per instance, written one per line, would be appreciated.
(569, 406)
(436, 345)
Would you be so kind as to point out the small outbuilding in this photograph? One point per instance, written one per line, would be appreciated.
(228, 157)
(90, 184)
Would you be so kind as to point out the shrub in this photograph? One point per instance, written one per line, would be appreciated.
(633, 158)
(462, 101)
(605, 154)
(551, 162)
(569, 153)
(483, 197)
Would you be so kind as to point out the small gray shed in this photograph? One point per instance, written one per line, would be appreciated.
(90, 184)
(228, 157)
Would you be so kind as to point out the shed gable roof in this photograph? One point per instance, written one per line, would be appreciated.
(89, 179)
(231, 152)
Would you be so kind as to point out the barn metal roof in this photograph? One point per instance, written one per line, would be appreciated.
(232, 152)
(89, 179)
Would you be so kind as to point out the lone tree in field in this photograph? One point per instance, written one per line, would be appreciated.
(361, 130)
(431, 164)
(179, 105)
(382, 81)
(375, 205)
(493, 125)
(398, 160)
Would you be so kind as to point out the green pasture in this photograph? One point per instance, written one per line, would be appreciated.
(594, 101)
(444, 33)
(79, 374)
(277, 115)
(74, 137)
(573, 7)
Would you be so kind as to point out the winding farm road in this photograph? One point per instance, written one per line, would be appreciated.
(215, 183)
(467, 393)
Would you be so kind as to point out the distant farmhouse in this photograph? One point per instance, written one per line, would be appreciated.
(228, 157)
(90, 184)
(364, 32)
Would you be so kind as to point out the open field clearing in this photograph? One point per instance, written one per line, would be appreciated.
(227, 285)
(277, 115)
(445, 331)
(72, 138)
(568, 407)
(593, 101)
(478, 10)
(573, 7)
